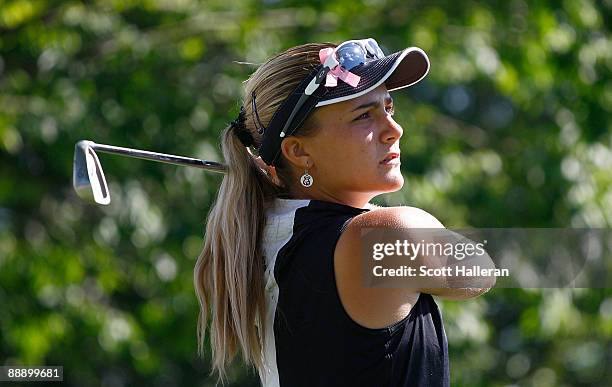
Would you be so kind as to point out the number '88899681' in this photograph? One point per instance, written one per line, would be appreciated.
(37, 373)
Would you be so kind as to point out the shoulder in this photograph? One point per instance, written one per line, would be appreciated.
(395, 217)
(375, 307)
(390, 218)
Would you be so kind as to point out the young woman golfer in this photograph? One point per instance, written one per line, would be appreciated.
(279, 278)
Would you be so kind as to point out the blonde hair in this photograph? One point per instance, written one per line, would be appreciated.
(229, 273)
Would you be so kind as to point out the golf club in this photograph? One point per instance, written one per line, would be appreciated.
(88, 177)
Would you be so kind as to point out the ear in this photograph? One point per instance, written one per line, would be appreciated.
(294, 150)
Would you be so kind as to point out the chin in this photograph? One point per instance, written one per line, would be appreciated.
(394, 183)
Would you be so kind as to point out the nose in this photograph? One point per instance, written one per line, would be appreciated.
(392, 131)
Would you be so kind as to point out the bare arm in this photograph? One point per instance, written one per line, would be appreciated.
(449, 287)
(380, 301)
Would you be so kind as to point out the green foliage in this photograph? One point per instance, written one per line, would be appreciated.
(510, 129)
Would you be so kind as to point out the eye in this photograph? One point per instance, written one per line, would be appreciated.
(390, 109)
(363, 116)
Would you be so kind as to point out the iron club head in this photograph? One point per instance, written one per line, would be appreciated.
(87, 174)
(88, 177)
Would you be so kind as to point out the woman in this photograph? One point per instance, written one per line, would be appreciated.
(279, 276)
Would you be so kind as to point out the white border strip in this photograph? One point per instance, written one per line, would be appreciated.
(278, 231)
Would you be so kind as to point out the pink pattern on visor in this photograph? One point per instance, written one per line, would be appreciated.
(326, 56)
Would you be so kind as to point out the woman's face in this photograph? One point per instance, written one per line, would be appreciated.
(349, 155)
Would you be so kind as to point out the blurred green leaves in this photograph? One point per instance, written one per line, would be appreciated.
(511, 128)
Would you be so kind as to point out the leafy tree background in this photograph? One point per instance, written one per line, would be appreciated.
(511, 128)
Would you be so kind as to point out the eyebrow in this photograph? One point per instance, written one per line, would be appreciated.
(388, 100)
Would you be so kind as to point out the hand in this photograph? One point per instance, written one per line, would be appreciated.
(270, 171)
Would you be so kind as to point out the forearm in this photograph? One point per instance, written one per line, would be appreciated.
(456, 294)
(461, 277)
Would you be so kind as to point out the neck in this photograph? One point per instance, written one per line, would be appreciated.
(352, 199)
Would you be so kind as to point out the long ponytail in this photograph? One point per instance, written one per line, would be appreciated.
(229, 273)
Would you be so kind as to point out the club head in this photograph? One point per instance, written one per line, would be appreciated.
(87, 175)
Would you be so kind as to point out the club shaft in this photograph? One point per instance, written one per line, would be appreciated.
(161, 157)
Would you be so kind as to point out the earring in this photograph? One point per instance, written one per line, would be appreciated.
(306, 180)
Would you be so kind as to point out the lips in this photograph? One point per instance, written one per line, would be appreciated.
(389, 157)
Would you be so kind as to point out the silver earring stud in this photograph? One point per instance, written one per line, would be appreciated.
(306, 180)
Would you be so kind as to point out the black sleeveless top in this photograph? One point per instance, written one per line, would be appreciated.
(311, 340)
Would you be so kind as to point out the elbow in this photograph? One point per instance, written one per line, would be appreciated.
(489, 280)
(469, 280)
(462, 294)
